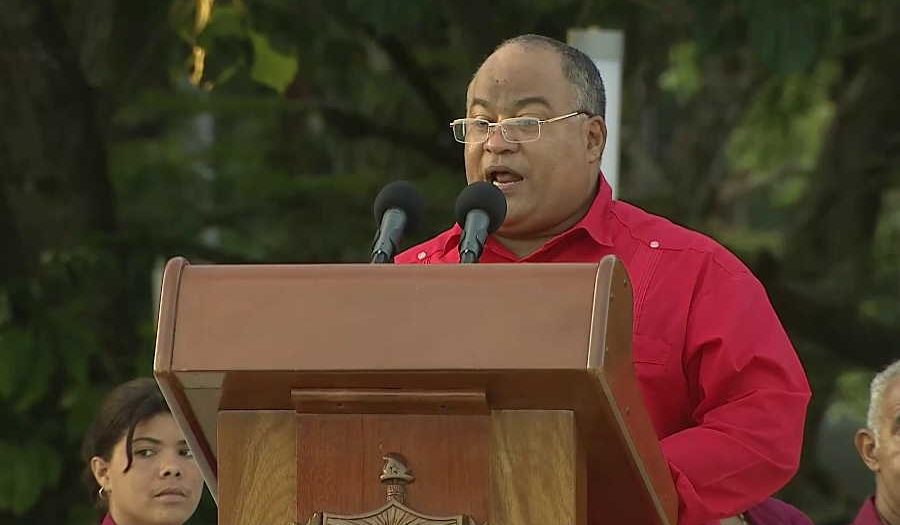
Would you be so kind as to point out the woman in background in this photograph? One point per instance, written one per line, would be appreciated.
(137, 464)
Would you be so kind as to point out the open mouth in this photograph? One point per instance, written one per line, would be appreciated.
(503, 178)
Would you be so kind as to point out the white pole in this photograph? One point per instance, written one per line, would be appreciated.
(607, 49)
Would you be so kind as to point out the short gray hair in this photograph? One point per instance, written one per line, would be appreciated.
(577, 67)
(876, 394)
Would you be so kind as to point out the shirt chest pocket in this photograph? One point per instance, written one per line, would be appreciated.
(649, 350)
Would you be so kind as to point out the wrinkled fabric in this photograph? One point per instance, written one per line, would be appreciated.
(776, 512)
(868, 514)
(722, 384)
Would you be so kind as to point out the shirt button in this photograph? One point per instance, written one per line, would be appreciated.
(654, 244)
(421, 256)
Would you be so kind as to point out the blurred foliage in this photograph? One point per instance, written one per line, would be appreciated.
(851, 396)
(769, 124)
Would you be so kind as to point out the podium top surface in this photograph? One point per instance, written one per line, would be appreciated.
(378, 318)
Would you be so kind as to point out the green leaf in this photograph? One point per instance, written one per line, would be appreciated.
(683, 77)
(38, 371)
(15, 347)
(271, 67)
(226, 21)
(28, 470)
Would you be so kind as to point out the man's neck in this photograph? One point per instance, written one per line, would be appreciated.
(888, 511)
(522, 248)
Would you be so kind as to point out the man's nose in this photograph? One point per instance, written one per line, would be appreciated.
(496, 142)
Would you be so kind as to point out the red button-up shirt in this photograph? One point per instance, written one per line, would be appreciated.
(722, 383)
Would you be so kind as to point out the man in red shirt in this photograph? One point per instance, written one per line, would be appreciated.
(723, 386)
(879, 447)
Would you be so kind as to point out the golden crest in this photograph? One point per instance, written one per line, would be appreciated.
(395, 476)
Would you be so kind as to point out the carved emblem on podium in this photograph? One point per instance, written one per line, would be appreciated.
(395, 476)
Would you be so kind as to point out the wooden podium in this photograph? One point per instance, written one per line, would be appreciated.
(507, 390)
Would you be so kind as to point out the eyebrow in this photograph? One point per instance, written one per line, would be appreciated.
(154, 441)
(519, 104)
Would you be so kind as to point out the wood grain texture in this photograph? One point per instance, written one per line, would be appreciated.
(204, 403)
(538, 472)
(321, 317)
(339, 459)
(257, 467)
(388, 401)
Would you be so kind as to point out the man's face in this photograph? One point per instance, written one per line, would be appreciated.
(888, 450)
(550, 183)
(884, 459)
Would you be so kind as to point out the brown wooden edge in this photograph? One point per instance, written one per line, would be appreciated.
(388, 401)
(172, 390)
(168, 309)
(612, 321)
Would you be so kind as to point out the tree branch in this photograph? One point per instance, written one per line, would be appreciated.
(354, 125)
(405, 64)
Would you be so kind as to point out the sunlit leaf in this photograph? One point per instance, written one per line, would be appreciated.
(683, 77)
(270, 66)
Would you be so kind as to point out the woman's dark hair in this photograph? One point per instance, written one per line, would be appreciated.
(123, 409)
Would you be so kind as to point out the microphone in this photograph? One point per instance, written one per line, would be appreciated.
(480, 210)
(398, 208)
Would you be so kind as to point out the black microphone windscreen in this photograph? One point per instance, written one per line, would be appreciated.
(481, 196)
(403, 195)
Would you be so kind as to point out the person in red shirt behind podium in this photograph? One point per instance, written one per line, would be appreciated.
(879, 447)
(137, 463)
(723, 386)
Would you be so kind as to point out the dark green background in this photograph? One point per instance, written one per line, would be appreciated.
(771, 125)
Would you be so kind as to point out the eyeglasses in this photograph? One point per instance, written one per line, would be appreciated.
(516, 129)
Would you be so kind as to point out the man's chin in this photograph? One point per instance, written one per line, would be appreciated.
(513, 228)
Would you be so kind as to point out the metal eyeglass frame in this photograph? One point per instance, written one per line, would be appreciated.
(492, 125)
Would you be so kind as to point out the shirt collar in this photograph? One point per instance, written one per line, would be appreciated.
(593, 221)
(452, 240)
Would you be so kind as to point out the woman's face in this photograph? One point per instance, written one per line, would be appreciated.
(163, 485)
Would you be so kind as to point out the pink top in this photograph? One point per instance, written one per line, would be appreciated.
(776, 512)
(868, 514)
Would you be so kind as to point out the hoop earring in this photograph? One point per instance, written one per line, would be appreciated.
(102, 494)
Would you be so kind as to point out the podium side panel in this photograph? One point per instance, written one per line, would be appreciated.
(618, 376)
(538, 472)
(257, 467)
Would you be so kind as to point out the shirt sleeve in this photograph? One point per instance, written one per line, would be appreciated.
(751, 395)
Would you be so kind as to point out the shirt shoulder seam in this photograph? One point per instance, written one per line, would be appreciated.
(712, 253)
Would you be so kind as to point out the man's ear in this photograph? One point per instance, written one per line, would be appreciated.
(865, 446)
(100, 470)
(596, 138)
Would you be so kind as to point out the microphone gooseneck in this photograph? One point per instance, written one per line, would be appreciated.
(480, 210)
(398, 209)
